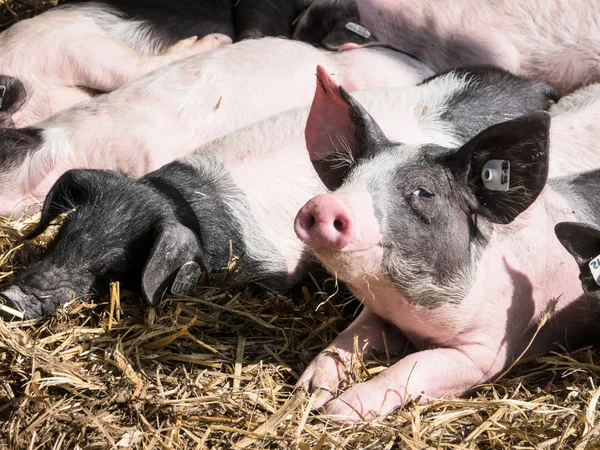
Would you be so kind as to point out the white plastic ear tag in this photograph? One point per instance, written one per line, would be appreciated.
(186, 278)
(358, 29)
(496, 175)
(595, 269)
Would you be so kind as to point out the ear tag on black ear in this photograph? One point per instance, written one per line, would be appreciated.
(186, 279)
(496, 175)
(358, 29)
(594, 266)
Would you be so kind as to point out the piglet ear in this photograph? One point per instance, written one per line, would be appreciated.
(339, 131)
(506, 166)
(72, 188)
(12, 98)
(175, 246)
(582, 240)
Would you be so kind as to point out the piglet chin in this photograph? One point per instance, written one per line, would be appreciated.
(349, 264)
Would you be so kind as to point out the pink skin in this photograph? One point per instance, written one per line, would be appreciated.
(526, 37)
(460, 347)
(61, 58)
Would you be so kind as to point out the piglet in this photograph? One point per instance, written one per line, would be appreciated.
(449, 248)
(70, 53)
(244, 188)
(554, 41)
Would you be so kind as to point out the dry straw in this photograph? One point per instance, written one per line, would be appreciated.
(217, 370)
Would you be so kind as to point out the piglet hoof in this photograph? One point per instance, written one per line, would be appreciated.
(363, 402)
(349, 46)
(211, 42)
(324, 376)
(192, 45)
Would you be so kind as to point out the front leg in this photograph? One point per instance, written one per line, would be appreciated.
(426, 374)
(329, 370)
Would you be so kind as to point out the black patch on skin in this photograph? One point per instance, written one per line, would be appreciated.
(15, 96)
(324, 24)
(492, 96)
(175, 20)
(197, 190)
(16, 144)
(582, 240)
(116, 224)
(435, 228)
(428, 221)
(438, 193)
(254, 19)
(586, 187)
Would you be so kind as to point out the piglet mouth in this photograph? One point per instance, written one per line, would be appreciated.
(17, 304)
(349, 251)
(353, 263)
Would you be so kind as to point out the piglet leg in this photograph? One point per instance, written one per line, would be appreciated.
(430, 373)
(329, 370)
(105, 64)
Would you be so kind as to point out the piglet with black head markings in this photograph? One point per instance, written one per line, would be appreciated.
(245, 188)
(449, 247)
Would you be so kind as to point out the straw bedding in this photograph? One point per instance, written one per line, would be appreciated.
(217, 370)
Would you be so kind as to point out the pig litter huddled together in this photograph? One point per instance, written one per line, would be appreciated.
(446, 170)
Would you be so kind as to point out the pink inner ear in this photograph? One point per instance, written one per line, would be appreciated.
(329, 127)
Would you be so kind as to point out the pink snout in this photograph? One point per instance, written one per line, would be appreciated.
(325, 222)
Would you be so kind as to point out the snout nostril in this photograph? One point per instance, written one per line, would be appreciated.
(309, 222)
(338, 225)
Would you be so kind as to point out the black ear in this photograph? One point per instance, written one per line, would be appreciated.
(175, 245)
(12, 98)
(506, 166)
(582, 240)
(73, 188)
(324, 23)
(339, 131)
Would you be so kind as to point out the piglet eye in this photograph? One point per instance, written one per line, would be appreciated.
(422, 193)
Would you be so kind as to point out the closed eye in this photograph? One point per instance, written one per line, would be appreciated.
(422, 193)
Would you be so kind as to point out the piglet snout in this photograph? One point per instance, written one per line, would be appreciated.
(28, 305)
(325, 222)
